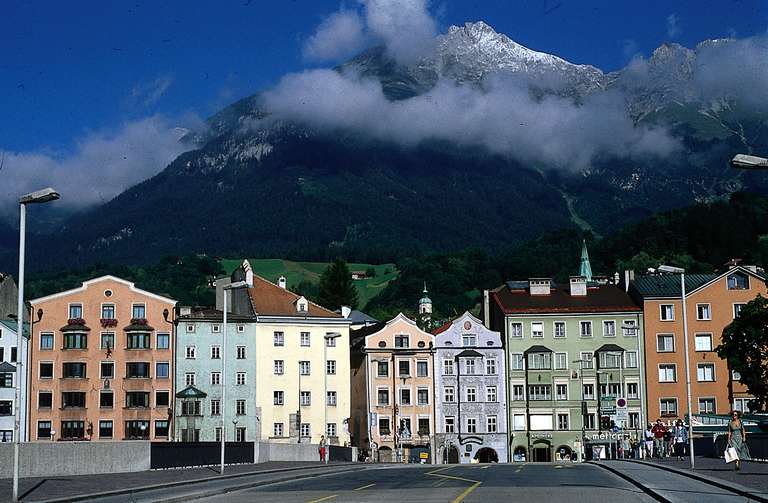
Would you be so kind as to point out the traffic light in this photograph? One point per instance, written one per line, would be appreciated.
(605, 422)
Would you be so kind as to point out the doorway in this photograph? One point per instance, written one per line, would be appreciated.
(542, 454)
(487, 455)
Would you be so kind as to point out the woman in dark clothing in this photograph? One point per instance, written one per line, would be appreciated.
(680, 438)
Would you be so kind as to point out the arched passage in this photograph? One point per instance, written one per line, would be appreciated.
(487, 455)
(451, 455)
(563, 453)
(541, 452)
(385, 455)
(519, 454)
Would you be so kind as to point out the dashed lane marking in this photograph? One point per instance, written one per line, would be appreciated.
(365, 487)
(466, 492)
(323, 499)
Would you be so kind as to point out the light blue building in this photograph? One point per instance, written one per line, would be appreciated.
(10, 372)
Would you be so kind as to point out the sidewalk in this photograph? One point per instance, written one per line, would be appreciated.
(752, 474)
(37, 489)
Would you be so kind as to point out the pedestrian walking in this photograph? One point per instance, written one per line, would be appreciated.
(321, 450)
(737, 438)
(658, 438)
(648, 440)
(680, 438)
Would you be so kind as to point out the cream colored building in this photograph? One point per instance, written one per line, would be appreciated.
(302, 380)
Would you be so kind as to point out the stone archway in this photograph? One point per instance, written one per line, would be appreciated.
(451, 455)
(487, 455)
(385, 455)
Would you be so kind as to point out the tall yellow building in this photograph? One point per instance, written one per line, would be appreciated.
(302, 361)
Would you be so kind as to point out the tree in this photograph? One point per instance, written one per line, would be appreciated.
(336, 288)
(745, 346)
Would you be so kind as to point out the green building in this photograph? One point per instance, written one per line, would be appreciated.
(574, 365)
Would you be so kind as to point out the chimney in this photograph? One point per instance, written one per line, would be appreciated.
(578, 286)
(185, 310)
(281, 282)
(248, 273)
(345, 311)
(540, 286)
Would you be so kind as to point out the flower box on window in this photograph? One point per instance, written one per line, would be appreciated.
(108, 322)
(138, 321)
(76, 321)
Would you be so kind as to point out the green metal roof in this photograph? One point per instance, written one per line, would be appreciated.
(191, 392)
(13, 325)
(668, 285)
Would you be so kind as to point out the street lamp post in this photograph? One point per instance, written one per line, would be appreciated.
(223, 407)
(328, 338)
(681, 272)
(744, 161)
(41, 196)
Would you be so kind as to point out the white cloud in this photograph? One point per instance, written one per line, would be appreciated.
(339, 36)
(101, 165)
(147, 94)
(673, 26)
(404, 26)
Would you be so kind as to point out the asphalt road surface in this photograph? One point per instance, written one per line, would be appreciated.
(452, 484)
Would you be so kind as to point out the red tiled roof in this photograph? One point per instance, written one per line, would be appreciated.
(442, 328)
(268, 299)
(599, 299)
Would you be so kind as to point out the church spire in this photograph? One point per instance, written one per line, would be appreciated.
(585, 268)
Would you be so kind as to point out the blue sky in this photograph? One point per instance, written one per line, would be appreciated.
(70, 68)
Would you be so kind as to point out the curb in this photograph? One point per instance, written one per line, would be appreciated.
(647, 490)
(137, 489)
(739, 489)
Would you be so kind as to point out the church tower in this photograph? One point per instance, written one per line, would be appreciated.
(585, 269)
(425, 307)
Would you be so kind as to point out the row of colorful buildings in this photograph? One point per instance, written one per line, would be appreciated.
(547, 371)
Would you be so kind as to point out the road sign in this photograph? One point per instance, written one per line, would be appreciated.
(423, 455)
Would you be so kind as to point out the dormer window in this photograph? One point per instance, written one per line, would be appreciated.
(302, 305)
(738, 281)
(469, 340)
(401, 341)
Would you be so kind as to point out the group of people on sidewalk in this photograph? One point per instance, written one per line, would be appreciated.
(663, 442)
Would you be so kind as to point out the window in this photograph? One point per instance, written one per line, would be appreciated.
(330, 367)
(737, 310)
(403, 368)
(562, 421)
(490, 366)
(240, 378)
(516, 330)
(518, 422)
(162, 398)
(72, 429)
(277, 429)
(423, 426)
(491, 394)
(215, 378)
(742, 405)
(738, 281)
(561, 361)
(107, 340)
(330, 429)
(105, 429)
(589, 422)
(384, 426)
(382, 396)
(73, 399)
(278, 397)
(539, 361)
(540, 392)
(241, 352)
(240, 330)
(469, 365)
(106, 399)
(75, 340)
(279, 367)
(162, 370)
(304, 367)
(422, 368)
(471, 425)
(44, 400)
(161, 429)
(491, 424)
(629, 328)
(305, 398)
(382, 369)
(73, 370)
(138, 312)
(137, 370)
(190, 408)
(537, 329)
(422, 396)
(137, 430)
(304, 338)
(138, 340)
(667, 373)
(330, 398)
(559, 329)
(585, 328)
(107, 311)
(136, 399)
(611, 389)
(278, 339)
(448, 367)
(215, 328)
(215, 352)
(666, 312)
(405, 396)
(304, 430)
(703, 342)
(75, 311)
(330, 340)
(630, 359)
(587, 360)
(668, 406)
(609, 329)
(610, 359)
(518, 392)
(632, 391)
(450, 424)
(634, 420)
(449, 394)
(665, 343)
(401, 341)
(163, 341)
(517, 362)
(469, 340)
(471, 394)
(46, 342)
(46, 370)
(705, 372)
(190, 328)
(240, 407)
(703, 312)
(190, 378)
(561, 391)
(43, 430)
(588, 392)
(14, 353)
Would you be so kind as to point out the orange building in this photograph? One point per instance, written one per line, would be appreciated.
(101, 364)
(712, 302)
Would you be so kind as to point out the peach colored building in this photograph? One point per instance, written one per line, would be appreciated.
(101, 364)
(400, 391)
(712, 302)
